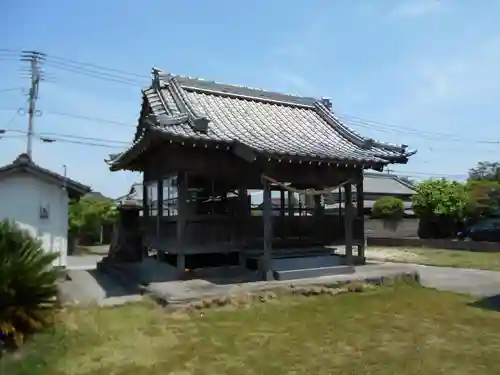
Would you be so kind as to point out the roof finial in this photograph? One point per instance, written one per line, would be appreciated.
(155, 74)
(327, 102)
(23, 158)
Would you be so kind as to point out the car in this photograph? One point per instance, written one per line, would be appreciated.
(484, 230)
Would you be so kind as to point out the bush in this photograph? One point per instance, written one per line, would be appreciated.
(388, 208)
(28, 288)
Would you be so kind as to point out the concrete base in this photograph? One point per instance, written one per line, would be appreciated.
(178, 293)
(312, 272)
(305, 267)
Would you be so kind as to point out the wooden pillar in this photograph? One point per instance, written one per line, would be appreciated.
(318, 208)
(244, 222)
(290, 205)
(282, 214)
(341, 199)
(360, 200)
(267, 221)
(318, 217)
(181, 219)
(159, 214)
(348, 217)
(145, 201)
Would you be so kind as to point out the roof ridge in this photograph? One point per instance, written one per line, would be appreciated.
(235, 90)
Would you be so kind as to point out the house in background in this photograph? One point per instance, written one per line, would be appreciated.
(96, 196)
(37, 199)
(134, 194)
(376, 185)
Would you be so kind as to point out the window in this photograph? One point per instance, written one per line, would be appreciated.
(152, 198)
(170, 196)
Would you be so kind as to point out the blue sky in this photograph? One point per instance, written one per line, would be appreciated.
(423, 72)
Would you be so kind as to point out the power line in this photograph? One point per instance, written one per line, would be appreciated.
(90, 118)
(93, 74)
(101, 142)
(47, 135)
(100, 67)
(431, 174)
(58, 137)
(11, 89)
(120, 76)
(435, 136)
(11, 120)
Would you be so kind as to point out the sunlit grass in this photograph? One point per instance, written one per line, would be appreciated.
(448, 258)
(391, 330)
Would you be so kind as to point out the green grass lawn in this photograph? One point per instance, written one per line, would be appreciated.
(451, 258)
(401, 330)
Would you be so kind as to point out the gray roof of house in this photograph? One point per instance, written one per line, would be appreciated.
(95, 195)
(25, 164)
(134, 194)
(378, 183)
(274, 124)
(366, 204)
(384, 183)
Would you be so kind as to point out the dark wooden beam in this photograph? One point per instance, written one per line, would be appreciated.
(360, 200)
(348, 217)
(266, 258)
(145, 200)
(282, 213)
(181, 219)
(159, 211)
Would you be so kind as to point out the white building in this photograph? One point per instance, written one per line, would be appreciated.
(37, 199)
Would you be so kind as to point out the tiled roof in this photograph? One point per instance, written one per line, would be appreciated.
(266, 122)
(24, 163)
(380, 184)
(383, 183)
(366, 204)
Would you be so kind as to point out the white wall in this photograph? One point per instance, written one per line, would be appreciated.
(22, 195)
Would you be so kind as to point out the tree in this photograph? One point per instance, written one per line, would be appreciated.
(441, 198)
(441, 205)
(87, 216)
(388, 208)
(484, 198)
(28, 288)
(485, 170)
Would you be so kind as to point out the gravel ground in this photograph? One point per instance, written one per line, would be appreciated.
(385, 254)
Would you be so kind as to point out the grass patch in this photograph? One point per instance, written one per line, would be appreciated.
(399, 329)
(449, 258)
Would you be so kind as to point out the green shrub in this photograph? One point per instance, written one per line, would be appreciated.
(388, 208)
(28, 284)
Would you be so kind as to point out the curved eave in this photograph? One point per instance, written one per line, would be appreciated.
(358, 139)
(123, 159)
(141, 145)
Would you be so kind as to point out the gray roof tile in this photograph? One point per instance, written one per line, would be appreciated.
(272, 123)
(383, 183)
(24, 163)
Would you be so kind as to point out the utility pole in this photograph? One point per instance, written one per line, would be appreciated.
(34, 59)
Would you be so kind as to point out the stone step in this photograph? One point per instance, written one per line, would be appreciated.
(304, 273)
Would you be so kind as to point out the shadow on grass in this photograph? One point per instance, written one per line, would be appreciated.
(488, 303)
